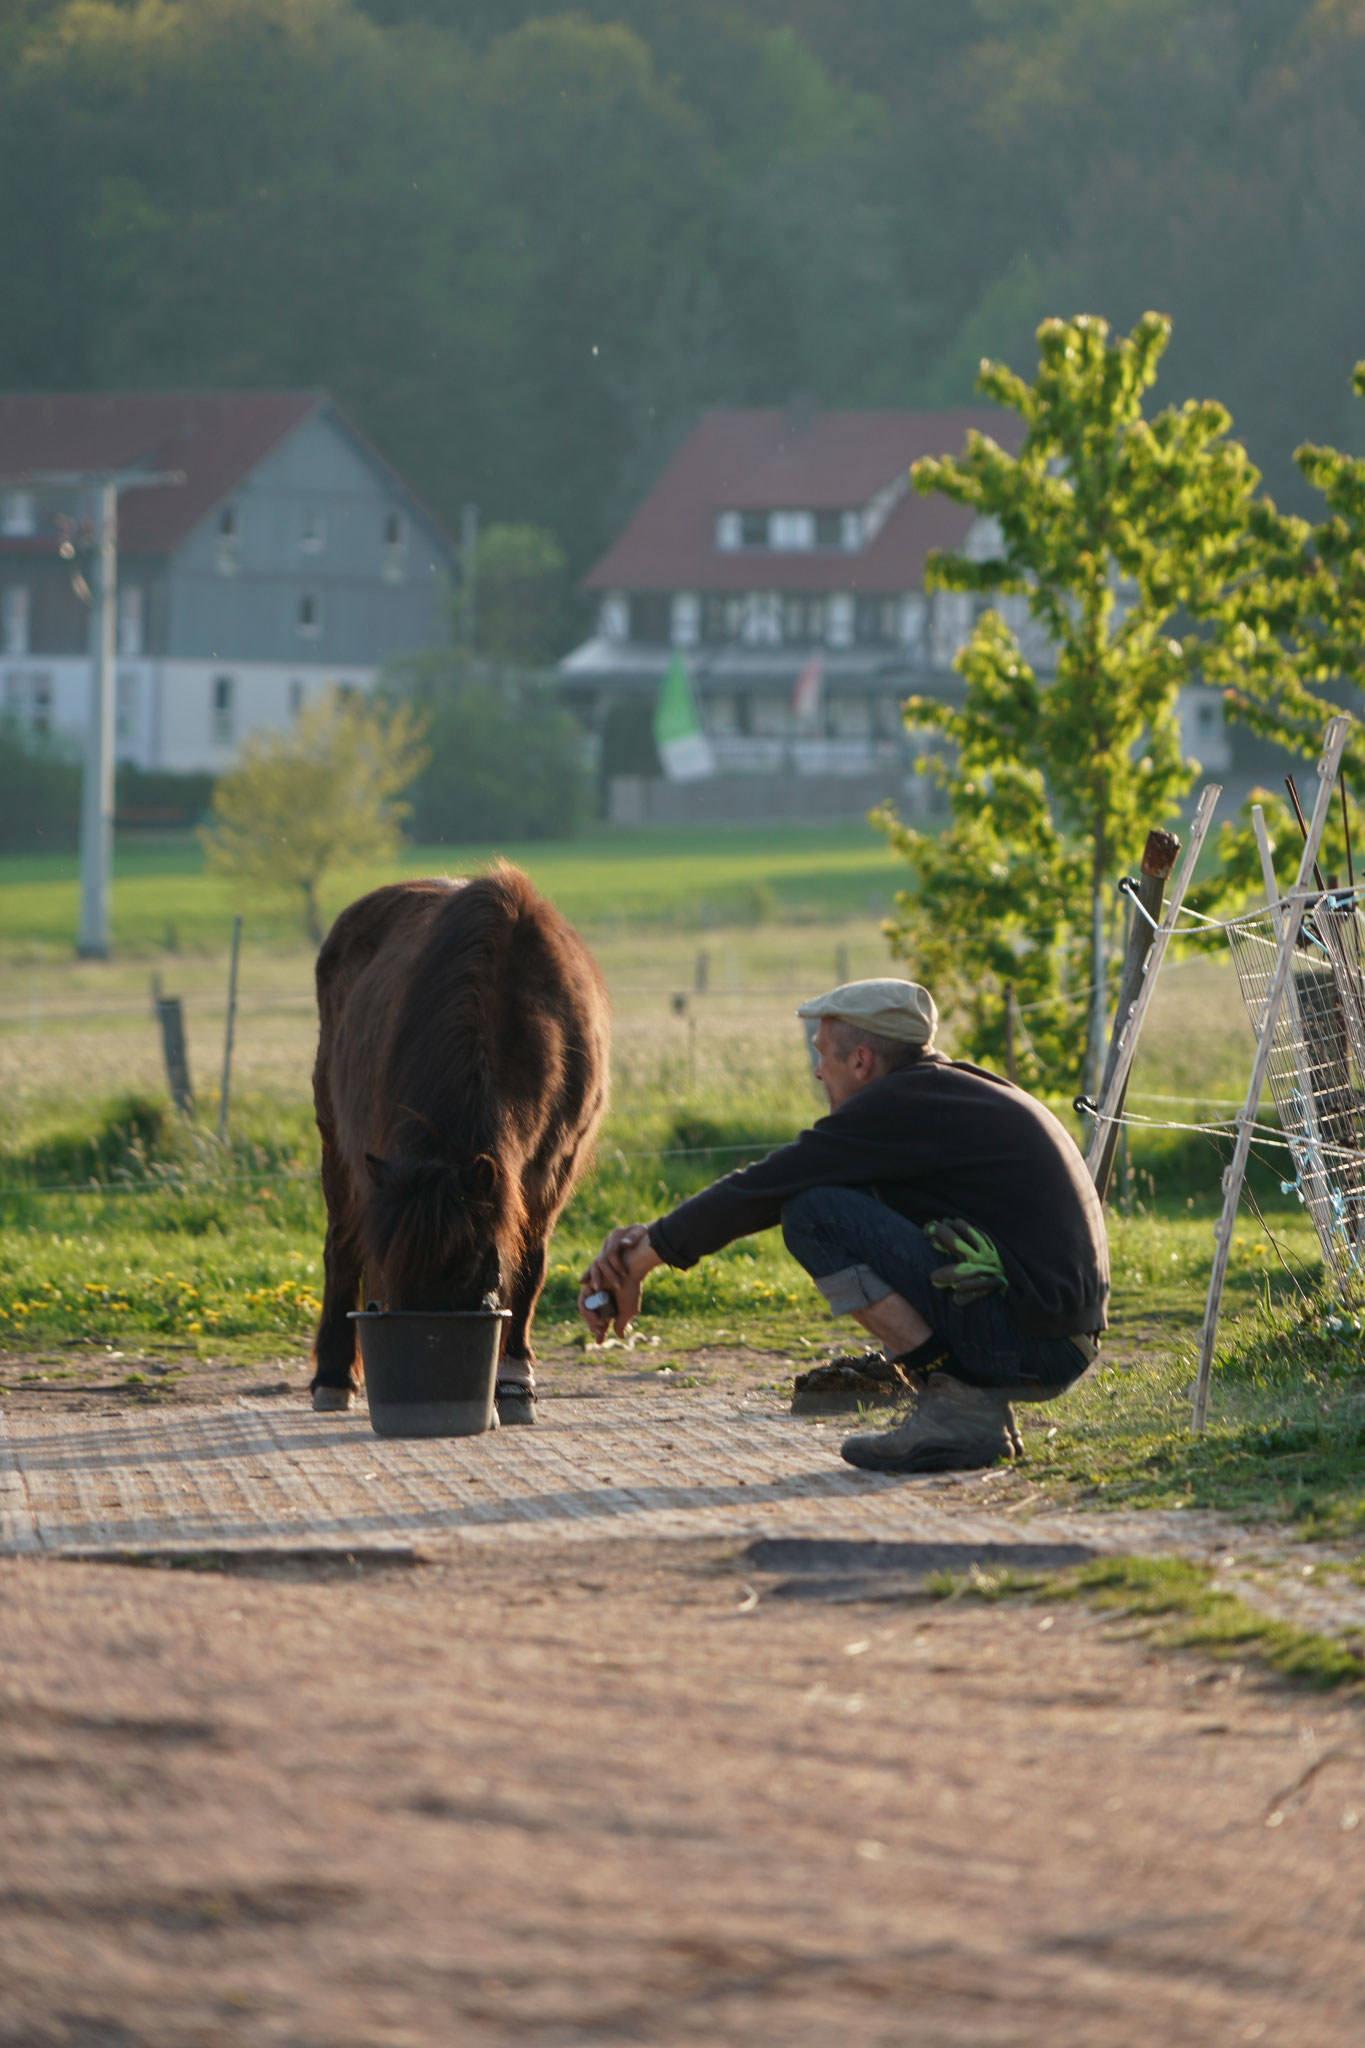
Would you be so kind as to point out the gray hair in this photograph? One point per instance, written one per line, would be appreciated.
(845, 1038)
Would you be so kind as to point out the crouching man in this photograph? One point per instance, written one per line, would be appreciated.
(943, 1208)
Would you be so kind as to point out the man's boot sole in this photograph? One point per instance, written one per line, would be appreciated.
(930, 1459)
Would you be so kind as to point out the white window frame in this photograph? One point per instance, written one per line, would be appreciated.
(223, 710)
(228, 541)
(728, 533)
(791, 532)
(685, 618)
(840, 619)
(394, 560)
(18, 515)
(130, 618)
(18, 619)
(613, 618)
(762, 619)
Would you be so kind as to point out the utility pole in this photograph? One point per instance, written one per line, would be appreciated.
(97, 784)
(469, 572)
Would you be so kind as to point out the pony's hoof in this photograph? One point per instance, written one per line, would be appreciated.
(329, 1400)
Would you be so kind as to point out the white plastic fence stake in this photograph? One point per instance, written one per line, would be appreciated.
(1313, 1149)
(1301, 895)
(1132, 1030)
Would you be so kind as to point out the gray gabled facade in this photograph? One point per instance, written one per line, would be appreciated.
(292, 557)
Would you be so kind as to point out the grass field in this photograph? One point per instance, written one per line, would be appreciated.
(123, 1226)
(678, 879)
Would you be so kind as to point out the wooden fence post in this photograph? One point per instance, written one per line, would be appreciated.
(1158, 859)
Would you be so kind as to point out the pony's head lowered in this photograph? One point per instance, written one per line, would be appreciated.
(442, 1231)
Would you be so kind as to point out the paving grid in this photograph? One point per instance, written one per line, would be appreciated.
(704, 1465)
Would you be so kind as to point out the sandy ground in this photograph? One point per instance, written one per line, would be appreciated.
(650, 1793)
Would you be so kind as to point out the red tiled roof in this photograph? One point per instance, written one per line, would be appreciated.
(215, 437)
(778, 461)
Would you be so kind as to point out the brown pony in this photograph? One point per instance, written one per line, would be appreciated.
(460, 1079)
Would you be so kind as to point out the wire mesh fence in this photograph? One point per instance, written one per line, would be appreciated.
(1316, 1071)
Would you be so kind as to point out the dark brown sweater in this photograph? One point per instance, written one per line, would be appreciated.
(936, 1138)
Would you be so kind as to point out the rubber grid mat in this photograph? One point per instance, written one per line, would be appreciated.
(199, 1478)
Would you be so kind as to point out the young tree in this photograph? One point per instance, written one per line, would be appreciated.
(303, 801)
(1106, 527)
(1291, 633)
(520, 595)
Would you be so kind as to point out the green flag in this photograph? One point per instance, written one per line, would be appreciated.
(684, 749)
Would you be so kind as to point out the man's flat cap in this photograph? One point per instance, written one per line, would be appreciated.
(893, 1009)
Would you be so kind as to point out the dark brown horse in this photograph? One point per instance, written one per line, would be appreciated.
(461, 1076)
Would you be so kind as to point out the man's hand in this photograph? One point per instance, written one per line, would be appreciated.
(619, 1270)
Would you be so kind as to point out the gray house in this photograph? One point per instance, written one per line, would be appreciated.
(292, 557)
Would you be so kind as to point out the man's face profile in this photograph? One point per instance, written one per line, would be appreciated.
(841, 1074)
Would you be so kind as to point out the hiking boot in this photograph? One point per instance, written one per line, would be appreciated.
(843, 1384)
(953, 1427)
(515, 1402)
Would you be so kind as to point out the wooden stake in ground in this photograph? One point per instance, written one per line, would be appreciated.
(1158, 859)
(229, 1031)
(170, 1015)
(1129, 1030)
(1301, 895)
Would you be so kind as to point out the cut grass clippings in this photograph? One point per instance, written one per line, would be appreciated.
(1176, 1605)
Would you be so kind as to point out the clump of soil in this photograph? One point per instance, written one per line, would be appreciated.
(848, 1383)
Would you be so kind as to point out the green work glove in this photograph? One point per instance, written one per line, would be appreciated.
(976, 1271)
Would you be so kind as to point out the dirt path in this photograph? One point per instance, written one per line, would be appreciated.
(79, 1380)
(634, 1792)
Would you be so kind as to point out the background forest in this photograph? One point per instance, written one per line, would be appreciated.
(526, 247)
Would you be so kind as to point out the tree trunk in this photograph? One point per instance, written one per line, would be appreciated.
(311, 915)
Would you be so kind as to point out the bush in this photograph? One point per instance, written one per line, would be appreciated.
(40, 791)
(506, 758)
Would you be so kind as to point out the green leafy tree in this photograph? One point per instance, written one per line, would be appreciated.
(520, 595)
(300, 803)
(506, 762)
(1289, 644)
(1106, 527)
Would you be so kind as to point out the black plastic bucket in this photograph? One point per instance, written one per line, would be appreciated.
(431, 1373)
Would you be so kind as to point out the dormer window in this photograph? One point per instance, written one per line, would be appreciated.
(312, 530)
(310, 615)
(829, 529)
(791, 531)
(753, 529)
(728, 535)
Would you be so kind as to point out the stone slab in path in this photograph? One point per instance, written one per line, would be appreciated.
(700, 1465)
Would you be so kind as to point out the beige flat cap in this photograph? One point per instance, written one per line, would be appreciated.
(893, 1009)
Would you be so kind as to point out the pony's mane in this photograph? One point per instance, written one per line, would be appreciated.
(453, 999)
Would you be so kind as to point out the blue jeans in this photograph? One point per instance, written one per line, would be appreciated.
(857, 1251)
